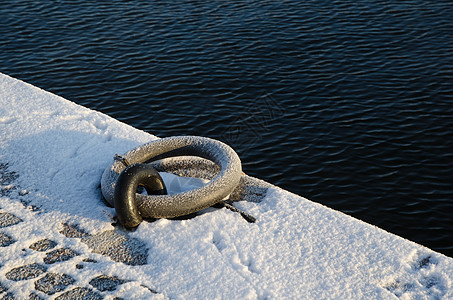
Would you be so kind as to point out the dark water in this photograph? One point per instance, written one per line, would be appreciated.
(348, 103)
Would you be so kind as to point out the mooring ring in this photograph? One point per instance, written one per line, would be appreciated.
(168, 206)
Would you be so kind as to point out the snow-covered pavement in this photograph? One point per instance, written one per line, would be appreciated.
(57, 239)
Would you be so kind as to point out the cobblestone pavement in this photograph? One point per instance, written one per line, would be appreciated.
(115, 244)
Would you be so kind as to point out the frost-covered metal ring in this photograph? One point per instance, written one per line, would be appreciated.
(167, 206)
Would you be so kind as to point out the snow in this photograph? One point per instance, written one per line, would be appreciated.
(52, 156)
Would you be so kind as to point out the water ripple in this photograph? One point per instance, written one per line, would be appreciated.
(345, 102)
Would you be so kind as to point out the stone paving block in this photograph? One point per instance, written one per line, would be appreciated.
(25, 272)
(118, 246)
(5, 240)
(9, 296)
(6, 176)
(53, 282)
(5, 191)
(59, 255)
(6, 179)
(33, 296)
(106, 283)
(2, 288)
(72, 231)
(80, 293)
(43, 245)
(8, 219)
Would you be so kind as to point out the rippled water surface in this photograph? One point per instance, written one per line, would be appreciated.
(348, 103)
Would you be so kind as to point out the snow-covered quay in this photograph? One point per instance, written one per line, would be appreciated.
(57, 240)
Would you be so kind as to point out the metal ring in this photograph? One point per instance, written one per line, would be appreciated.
(167, 206)
(126, 189)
